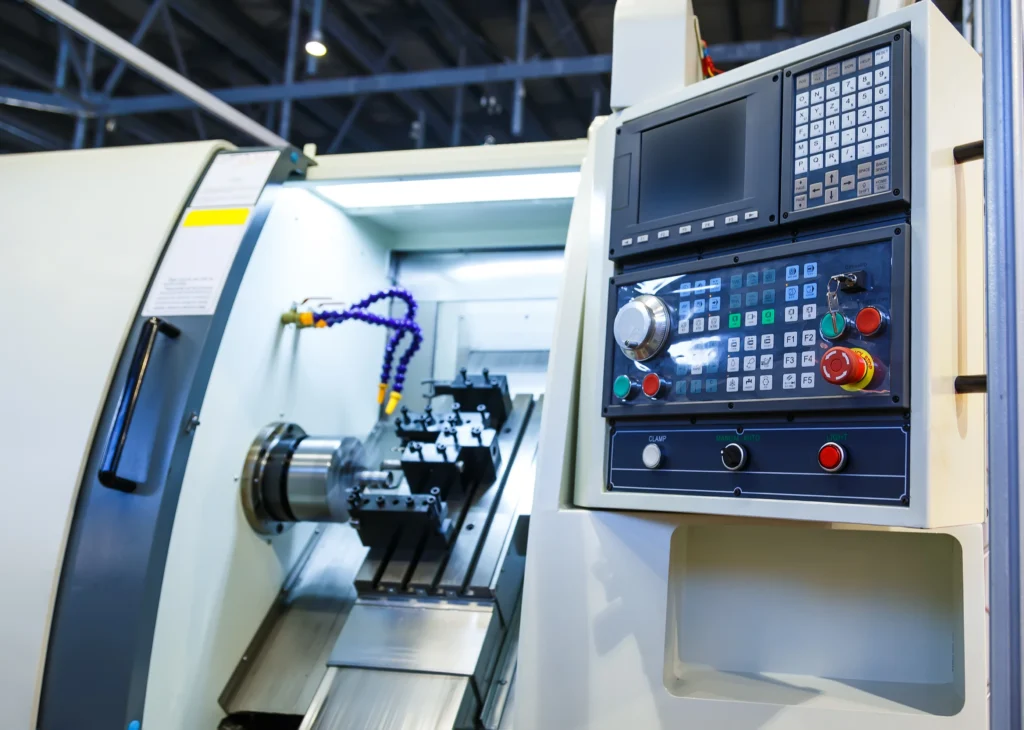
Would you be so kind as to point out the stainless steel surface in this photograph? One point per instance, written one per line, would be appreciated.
(252, 475)
(497, 705)
(414, 637)
(319, 473)
(280, 671)
(1003, 66)
(641, 327)
(376, 479)
(368, 699)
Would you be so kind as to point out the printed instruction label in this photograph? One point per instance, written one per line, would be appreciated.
(235, 179)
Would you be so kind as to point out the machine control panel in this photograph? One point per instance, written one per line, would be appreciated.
(844, 128)
(796, 326)
(859, 461)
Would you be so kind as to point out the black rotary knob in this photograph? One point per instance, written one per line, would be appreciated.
(734, 457)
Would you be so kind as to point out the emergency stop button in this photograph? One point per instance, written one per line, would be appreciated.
(841, 365)
(832, 457)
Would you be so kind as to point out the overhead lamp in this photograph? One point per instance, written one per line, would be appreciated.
(451, 190)
(315, 45)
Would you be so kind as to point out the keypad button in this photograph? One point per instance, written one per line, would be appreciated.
(732, 365)
(864, 81)
(849, 154)
(817, 144)
(802, 100)
(832, 158)
(800, 166)
(832, 72)
(882, 128)
(863, 188)
(808, 337)
(767, 342)
(734, 344)
(714, 322)
(750, 363)
(881, 145)
(800, 202)
(801, 132)
(801, 149)
(801, 116)
(789, 381)
(792, 293)
(750, 343)
(831, 178)
(863, 132)
(816, 162)
(789, 339)
(810, 311)
(882, 92)
(732, 385)
(817, 96)
(789, 360)
(881, 167)
(864, 114)
(881, 75)
(832, 107)
(849, 103)
(817, 129)
(863, 150)
(817, 112)
(849, 86)
(882, 110)
(849, 136)
(847, 184)
(807, 380)
(684, 326)
(767, 362)
(881, 184)
(751, 298)
(807, 359)
(765, 382)
(803, 81)
(832, 124)
(882, 55)
(864, 97)
(748, 383)
(792, 273)
(685, 229)
(750, 319)
(816, 190)
(849, 120)
(800, 185)
(849, 66)
(831, 195)
(818, 76)
(863, 170)
(864, 61)
(832, 91)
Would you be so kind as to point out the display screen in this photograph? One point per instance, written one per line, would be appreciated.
(693, 163)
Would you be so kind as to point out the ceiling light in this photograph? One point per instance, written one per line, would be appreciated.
(315, 45)
(449, 190)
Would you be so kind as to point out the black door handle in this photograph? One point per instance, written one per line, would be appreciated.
(129, 399)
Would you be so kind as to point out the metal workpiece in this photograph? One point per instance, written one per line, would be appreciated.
(291, 477)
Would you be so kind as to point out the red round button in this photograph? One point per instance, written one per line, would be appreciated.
(841, 365)
(651, 385)
(832, 457)
(869, 321)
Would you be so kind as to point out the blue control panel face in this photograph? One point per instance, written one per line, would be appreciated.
(780, 460)
(760, 334)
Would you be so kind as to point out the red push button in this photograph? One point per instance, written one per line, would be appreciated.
(651, 385)
(870, 321)
(832, 457)
(841, 365)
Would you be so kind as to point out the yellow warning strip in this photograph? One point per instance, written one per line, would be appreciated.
(216, 217)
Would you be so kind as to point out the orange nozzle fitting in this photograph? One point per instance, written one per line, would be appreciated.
(382, 389)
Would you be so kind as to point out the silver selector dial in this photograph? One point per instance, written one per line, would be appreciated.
(641, 327)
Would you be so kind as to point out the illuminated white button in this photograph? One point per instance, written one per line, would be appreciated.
(807, 380)
(627, 241)
(789, 360)
(882, 55)
(789, 339)
(707, 224)
(832, 91)
(816, 144)
(817, 96)
(849, 120)
(662, 234)
(864, 81)
(750, 343)
(750, 363)
(750, 215)
(731, 219)
(642, 238)
(651, 456)
(810, 311)
(832, 141)
(767, 342)
(801, 132)
(817, 112)
(800, 149)
(831, 107)
(863, 150)
(863, 132)
(696, 369)
(881, 145)
(767, 362)
(684, 326)
(802, 100)
(816, 162)
(809, 337)
(807, 359)
(685, 229)
(789, 380)
(849, 136)
(849, 85)
(832, 124)
(750, 319)
(864, 114)
(864, 97)
(698, 324)
(714, 322)
(832, 158)
(801, 116)
(881, 75)
(849, 153)
(800, 166)
(882, 92)
(792, 313)
(732, 385)
(882, 128)
(882, 110)
(765, 382)
(734, 344)
(748, 382)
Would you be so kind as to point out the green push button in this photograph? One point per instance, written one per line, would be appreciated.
(622, 387)
(768, 316)
(832, 328)
(735, 320)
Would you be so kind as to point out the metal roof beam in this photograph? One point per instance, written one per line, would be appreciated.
(44, 101)
(28, 133)
(385, 83)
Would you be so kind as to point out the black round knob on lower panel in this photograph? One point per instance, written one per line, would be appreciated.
(734, 457)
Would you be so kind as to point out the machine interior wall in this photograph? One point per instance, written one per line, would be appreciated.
(80, 234)
(221, 578)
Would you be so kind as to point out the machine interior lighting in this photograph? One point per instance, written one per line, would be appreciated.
(449, 190)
